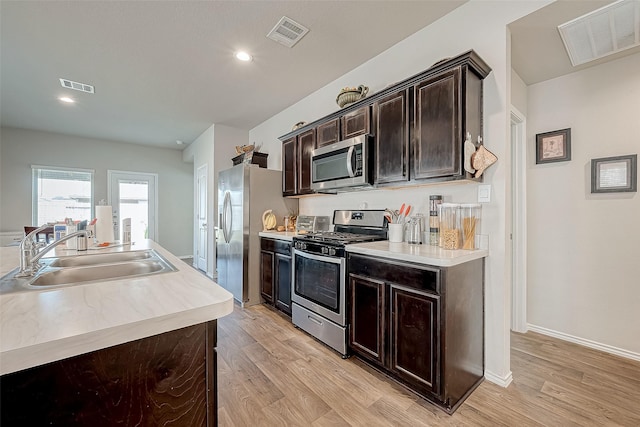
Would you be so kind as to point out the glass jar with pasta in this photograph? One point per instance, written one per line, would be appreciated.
(470, 222)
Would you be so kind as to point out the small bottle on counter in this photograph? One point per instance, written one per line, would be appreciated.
(434, 220)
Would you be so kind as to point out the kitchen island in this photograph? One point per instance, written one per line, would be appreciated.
(131, 351)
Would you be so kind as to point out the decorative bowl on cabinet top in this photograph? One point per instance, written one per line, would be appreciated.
(349, 95)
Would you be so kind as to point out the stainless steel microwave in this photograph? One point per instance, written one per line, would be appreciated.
(344, 165)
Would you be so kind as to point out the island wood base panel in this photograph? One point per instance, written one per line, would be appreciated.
(166, 379)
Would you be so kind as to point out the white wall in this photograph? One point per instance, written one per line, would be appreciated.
(518, 93)
(478, 25)
(200, 152)
(22, 148)
(583, 248)
(215, 147)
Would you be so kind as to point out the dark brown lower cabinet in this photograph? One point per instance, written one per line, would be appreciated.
(423, 326)
(283, 282)
(163, 380)
(275, 273)
(266, 274)
(414, 338)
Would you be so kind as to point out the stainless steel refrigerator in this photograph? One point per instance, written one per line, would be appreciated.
(244, 193)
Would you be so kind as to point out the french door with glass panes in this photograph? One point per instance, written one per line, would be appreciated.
(134, 195)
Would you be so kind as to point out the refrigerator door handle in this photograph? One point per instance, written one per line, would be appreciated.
(226, 217)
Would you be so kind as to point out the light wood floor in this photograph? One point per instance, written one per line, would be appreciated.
(271, 374)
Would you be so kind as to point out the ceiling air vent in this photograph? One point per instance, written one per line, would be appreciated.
(603, 32)
(76, 86)
(287, 32)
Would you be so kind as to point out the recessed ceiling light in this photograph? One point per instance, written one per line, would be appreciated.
(243, 56)
(179, 142)
(67, 99)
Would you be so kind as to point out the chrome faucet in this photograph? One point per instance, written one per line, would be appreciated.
(29, 249)
(29, 255)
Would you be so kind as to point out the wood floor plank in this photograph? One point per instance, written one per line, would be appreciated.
(330, 419)
(272, 374)
(342, 401)
(580, 357)
(386, 408)
(296, 391)
(285, 413)
(224, 419)
(238, 403)
(551, 408)
(595, 407)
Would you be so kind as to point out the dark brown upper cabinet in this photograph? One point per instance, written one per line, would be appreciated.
(447, 107)
(328, 133)
(390, 117)
(289, 167)
(306, 145)
(296, 163)
(437, 145)
(356, 123)
(419, 124)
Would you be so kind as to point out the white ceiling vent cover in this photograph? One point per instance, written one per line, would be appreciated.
(82, 87)
(603, 32)
(287, 32)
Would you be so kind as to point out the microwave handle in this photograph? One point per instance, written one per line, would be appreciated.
(349, 158)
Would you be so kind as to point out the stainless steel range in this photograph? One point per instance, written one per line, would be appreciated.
(319, 274)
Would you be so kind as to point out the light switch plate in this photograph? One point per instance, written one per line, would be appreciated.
(484, 193)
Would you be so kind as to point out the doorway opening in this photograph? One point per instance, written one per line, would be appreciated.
(134, 195)
(519, 221)
(201, 256)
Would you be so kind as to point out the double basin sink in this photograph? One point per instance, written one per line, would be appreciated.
(74, 270)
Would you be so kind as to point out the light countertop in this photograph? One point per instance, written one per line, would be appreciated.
(422, 254)
(279, 235)
(42, 326)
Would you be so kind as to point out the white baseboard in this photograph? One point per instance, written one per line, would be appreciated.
(585, 342)
(496, 379)
(185, 256)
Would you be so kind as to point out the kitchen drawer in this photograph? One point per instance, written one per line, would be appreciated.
(272, 245)
(414, 276)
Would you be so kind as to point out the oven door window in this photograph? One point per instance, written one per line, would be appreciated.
(318, 281)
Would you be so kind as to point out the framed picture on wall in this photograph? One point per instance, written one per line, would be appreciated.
(614, 174)
(553, 146)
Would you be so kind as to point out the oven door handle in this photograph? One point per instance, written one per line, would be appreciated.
(318, 257)
(349, 159)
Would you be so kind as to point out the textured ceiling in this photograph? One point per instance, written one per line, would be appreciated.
(164, 71)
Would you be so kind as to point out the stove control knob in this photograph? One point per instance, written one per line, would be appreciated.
(324, 250)
(303, 246)
(332, 251)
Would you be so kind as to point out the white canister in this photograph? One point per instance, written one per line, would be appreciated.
(396, 233)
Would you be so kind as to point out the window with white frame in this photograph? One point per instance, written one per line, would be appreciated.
(60, 193)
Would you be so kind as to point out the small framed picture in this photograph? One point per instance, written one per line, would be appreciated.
(553, 146)
(614, 174)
